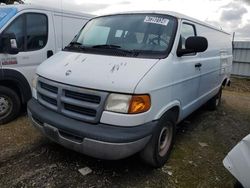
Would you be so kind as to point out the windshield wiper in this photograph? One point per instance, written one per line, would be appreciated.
(132, 52)
(116, 47)
(74, 43)
(77, 45)
(107, 46)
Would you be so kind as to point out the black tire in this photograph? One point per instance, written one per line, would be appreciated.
(10, 105)
(215, 102)
(238, 185)
(153, 154)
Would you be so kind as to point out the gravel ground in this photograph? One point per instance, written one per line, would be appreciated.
(28, 159)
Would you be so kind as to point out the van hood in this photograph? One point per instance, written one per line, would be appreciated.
(100, 72)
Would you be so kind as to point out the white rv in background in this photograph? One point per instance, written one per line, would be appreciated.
(40, 32)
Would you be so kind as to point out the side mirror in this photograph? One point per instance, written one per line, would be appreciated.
(9, 44)
(193, 45)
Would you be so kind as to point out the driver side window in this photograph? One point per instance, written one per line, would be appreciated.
(17, 27)
(31, 31)
(187, 30)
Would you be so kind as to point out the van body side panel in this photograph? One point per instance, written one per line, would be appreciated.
(71, 23)
(158, 83)
(57, 20)
(216, 62)
(66, 28)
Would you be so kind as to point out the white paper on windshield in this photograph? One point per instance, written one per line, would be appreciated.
(156, 20)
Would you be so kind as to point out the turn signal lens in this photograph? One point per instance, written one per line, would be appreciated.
(139, 104)
(34, 81)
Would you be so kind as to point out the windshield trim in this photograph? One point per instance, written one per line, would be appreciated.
(149, 55)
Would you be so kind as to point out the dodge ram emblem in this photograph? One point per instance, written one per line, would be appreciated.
(68, 72)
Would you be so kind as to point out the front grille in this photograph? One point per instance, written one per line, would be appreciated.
(83, 97)
(49, 100)
(49, 87)
(80, 110)
(74, 102)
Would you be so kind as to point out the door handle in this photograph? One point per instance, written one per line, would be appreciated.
(197, 65)
(49, 53)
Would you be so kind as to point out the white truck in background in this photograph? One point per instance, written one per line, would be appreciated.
(29, 35)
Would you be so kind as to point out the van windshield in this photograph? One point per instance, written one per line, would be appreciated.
(147, 35)
(6, 14)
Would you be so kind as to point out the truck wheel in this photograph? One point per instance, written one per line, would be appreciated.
(215, 101)
(9, 105)
(157, 151)
(238, 185)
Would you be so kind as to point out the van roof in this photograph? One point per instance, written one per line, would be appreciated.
(174, 14)
(21, 7)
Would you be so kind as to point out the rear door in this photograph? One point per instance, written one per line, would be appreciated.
(33, 33)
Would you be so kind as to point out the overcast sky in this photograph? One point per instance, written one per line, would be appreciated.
(231, 15)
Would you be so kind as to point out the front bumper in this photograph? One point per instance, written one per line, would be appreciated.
(96, 140)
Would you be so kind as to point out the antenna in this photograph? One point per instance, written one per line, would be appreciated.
(62, 22)
(233, 40)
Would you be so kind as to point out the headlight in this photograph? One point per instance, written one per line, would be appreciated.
(118, 103)
(34, 81)
(129, 104)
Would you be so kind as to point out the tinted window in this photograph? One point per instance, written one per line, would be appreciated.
(31, 31)
(37, 28)
(187, 30)
(17, 27)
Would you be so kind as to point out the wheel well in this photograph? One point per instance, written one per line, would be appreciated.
(175, 111)
(16, 81)
(12, 85)
(224, 82)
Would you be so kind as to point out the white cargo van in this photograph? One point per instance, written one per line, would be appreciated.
(126, 80)
(29, 35)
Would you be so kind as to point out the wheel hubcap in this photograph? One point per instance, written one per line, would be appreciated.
(4, 106)
(164, 142)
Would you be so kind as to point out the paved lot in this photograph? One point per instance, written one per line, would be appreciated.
(28, 159)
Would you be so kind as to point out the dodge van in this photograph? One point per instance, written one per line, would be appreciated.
(125, 82)
(29, 35)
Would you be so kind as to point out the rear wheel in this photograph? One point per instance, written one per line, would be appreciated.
(157, 151)
(238, 185)
(215, 102)
(9, 105)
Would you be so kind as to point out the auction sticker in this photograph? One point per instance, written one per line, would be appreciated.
(156, 20)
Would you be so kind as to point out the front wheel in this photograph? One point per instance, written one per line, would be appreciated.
(157, 151)
(9, 105)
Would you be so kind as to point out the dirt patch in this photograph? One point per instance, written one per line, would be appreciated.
(28, 159)
(239, 85)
